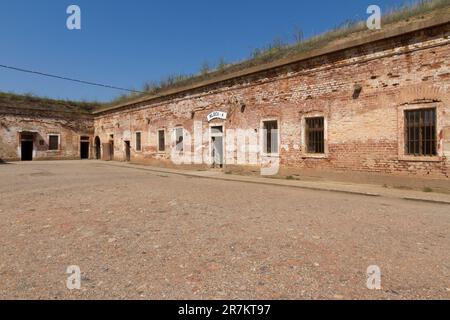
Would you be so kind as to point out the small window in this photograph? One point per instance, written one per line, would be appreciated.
(161, 141)
(179, 139)
(138, 141)
(53, 142)
(270, 137)
(420, 132)
(315, 136)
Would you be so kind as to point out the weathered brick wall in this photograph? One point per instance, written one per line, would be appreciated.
(363, 132)
(16, 119)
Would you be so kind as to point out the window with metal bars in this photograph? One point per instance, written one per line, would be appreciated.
(53, 142)
(420, 132)
(271, 137)
(138, 141)
(315, 135)
(161, 140)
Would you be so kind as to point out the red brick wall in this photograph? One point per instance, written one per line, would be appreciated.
(69, 126)
(364, 133)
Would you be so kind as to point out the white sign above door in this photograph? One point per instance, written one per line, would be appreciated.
(217, 115)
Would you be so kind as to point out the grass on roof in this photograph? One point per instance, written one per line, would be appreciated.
(48, 102)
(278, 49)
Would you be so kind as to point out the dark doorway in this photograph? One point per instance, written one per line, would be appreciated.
(111, 146)
(127, 151)
(97, 148)
(111, 150)
(84, 150)
(26, 142)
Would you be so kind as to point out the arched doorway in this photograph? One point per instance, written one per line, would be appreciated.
(97, 143)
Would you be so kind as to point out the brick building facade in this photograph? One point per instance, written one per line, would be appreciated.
(31, 129)
(377, 102)
(360, 95)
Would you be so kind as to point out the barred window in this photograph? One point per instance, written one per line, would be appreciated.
(161, 141)
(270, 137)
(420, 132)
(138, 141)
(315, 135)
(53, 142)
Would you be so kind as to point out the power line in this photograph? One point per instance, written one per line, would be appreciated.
(69, 79)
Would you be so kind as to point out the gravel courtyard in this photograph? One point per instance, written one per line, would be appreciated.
(137, 234)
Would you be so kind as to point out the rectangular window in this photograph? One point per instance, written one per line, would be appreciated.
(53, 142)
(420, 132)
(270, 137)
(179, 139)
(315, 135)
(161, 141)
(138, 141)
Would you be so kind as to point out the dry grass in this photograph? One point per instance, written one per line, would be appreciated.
(63, 105)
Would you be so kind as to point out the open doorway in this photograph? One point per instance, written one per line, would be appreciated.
(97, 142)
(127, 151)
(217, 147)
(111, 146)
(84, 148)
(26, 147)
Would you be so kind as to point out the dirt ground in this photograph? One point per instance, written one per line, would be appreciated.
(137, 234)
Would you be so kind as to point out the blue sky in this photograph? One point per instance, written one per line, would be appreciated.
(127, 43)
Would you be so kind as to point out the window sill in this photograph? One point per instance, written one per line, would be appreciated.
(270, 155)
(158, 150)
(421, 158)
(314, 156)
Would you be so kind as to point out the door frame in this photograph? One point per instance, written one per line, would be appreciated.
(27, 140)
(127, 145)
(212, 125)
(98, 148)
(111, 149)
(85, 139)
